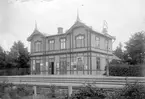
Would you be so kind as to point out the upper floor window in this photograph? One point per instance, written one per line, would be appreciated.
(80, 41)
(97, 42)
(37, 46)
(51, 44)
(106, 44)
(63, 43)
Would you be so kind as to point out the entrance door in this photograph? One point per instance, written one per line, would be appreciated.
(52, 67)
(37, 68)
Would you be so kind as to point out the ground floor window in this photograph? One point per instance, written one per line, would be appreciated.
(76, 64)
(97, 63)
(80, 64)
(62, 67)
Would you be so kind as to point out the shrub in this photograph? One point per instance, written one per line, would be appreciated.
(89, 92)
(126, 70)
(52, 92)
(7, 91)
(24, 90)
(130, 91)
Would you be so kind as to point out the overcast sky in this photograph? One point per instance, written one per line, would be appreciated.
(17, 19)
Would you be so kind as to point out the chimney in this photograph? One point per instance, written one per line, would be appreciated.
(60, 30)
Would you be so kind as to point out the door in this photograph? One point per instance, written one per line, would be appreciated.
(37, 68)
(52, 68)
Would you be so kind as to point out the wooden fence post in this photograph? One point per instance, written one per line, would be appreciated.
(35, 92)
(69, 90)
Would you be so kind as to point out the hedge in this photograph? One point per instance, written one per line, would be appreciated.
(15, 71)
(127, 70)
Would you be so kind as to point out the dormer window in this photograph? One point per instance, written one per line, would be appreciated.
(80, 41)
(38, 46)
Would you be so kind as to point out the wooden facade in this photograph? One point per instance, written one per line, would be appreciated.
(78, 51)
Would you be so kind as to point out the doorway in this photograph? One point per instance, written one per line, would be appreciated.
(37, 68)
(52, 67)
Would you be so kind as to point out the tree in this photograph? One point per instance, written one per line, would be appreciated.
(19, 55)
(118, 52)
(2, 58)
(135, 48)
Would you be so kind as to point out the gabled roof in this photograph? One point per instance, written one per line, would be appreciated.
(78, 23)
(35, 32)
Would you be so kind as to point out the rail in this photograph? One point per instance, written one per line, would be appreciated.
(73, 80)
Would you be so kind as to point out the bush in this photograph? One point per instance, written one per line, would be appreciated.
(24, 90)
(89, 92)
(15, 71)
(126, 70)
(52, 92)
(9, 91)
(130, 91)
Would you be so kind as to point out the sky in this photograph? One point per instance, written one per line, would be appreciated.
(17, 17)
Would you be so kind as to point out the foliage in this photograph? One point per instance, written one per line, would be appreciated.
(24, 90)
(126, 70)
(118, 52)
(9, 91)
(52, 92)
(15, 71)
(17, 57)
(135, 48)
(2, 58)
(130, 91)
(89, 92)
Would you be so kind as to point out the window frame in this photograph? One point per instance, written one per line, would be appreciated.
(62, 43)
(97, 39)
(106, 44)
(51, 45)
(37, 46)
(80, 39)
(98, 66)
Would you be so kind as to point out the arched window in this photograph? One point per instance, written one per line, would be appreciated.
(37, 46)
(80, 41)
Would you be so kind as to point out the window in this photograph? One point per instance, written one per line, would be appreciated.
(80, 41)
(51, 45)
(97, 42)
(63, 43)
(37, 46)
(106, 44)
(98, 63)
(80, 64)
(63, 65)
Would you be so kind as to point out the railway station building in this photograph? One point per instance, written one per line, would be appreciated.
(78, 51)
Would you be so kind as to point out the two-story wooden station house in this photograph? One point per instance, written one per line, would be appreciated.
(78, 51)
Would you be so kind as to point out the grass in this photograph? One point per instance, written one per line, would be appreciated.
(38, 97)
